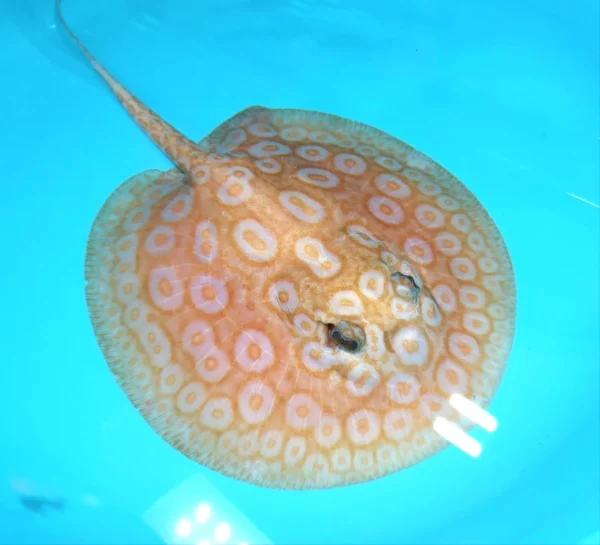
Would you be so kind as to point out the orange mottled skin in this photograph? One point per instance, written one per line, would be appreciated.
(218, 292)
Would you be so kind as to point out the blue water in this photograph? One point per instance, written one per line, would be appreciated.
(505, 94)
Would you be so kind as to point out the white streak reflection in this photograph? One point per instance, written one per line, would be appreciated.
(473, 412)
(451, 432)
(458, 437)
(583, 200)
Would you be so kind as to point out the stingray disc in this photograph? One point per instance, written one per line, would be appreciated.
(298, 315)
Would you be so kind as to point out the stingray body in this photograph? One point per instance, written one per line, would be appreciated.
(294, 303)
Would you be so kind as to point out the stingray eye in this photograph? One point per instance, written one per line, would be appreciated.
(405, 285)
(347, 336)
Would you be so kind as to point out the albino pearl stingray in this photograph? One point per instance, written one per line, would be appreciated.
(294, 304)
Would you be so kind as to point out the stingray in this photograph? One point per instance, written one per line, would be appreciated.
(295, 301)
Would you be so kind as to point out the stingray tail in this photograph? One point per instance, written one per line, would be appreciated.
(181, 150)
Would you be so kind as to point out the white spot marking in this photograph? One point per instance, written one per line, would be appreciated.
(328, 431)
(392, 186)
(363, 427)
(397, 424)
(362, 379)
(234, 191)
(166, 289)
(346, 303)
(371, 284)
(302, 206)
(256, 401)
(213, 365)
(270, 166)
(461, 222)
(205, 241)
(418, 250)
(464, 347)
(191, 397)
(198, 338)
(448, 243)
(472, 297)
(363, 236)
(445, 297)
(262, 130)
(312, 153)
(268, 148)
(411, 345)
(476, 323)
(171, 379)
(463, 268)
(293, 134)
(430, 312)
(322, 262)
(255, 240)
(429, 216)
(388, 162)
(302, 412)
(318, 177)
(282, 294)
(254, 351)
(452, 377)
(209, 294)
(403, 388)
(271, 443)
(386, 210)
(160, 240)
(350, 164)
(294, 450)
(217, 413)
(178, 208)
